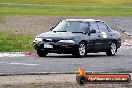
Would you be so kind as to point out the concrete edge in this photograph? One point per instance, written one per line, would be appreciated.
(18, 54)
(57, 73)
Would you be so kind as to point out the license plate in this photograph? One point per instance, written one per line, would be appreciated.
(48, 46)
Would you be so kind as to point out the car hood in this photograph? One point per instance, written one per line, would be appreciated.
(60, 35)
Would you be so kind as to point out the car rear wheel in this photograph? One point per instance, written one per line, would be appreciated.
(81, 52)
(41, 53)
(112, 50)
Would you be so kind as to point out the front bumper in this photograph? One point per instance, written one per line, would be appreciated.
(65, 48)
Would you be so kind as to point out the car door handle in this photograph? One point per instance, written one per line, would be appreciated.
(98, 35)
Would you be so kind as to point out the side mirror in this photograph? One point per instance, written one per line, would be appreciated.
(93, 31)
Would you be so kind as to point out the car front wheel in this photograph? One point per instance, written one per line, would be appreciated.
(82, 51)
(41, 53)
(112, 50)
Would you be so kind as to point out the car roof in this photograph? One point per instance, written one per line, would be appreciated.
(83, 20)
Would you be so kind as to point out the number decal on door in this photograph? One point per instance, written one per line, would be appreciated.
(104, 34)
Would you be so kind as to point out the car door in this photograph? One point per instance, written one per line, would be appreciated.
(105, 35)
(94, 39)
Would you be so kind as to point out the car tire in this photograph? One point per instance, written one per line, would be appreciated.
(112, 50)
(81, 51)
(41, 53)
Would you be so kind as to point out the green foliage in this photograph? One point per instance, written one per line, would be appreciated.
(72, 2)
(67, 7)
(10, 42)
(64, 10)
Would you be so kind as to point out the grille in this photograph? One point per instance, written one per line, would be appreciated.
(52, 40)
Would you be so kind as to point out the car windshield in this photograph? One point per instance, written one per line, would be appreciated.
(71, 26)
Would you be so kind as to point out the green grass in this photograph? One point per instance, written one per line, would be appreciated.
(13, 10)
(10, 42)
(87, 8)
(72, 2)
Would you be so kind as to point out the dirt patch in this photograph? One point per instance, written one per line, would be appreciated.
(37, 24)
(28, 24)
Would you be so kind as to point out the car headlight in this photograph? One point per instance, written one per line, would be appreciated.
(67, 41)
(38, 39)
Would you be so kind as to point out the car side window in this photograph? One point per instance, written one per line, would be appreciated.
(94, 26)
(108, 28)
(84, 26)
(102, 27)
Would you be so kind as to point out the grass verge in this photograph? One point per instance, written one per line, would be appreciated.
(66, 7)
(71, 2)
(10, 42)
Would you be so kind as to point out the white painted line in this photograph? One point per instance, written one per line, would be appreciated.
(29, 4)
(12, 54)
(17, 54)
(15, 63)
(22, 64)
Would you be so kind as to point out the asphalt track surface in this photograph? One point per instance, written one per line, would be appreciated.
(56, 63)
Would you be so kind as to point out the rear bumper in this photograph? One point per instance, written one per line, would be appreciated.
(59, 48)
(119, 43)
